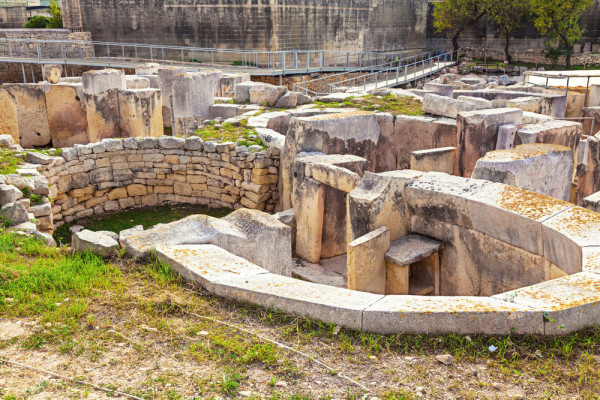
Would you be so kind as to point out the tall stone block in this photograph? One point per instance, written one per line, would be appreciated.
(9, 122)
(193, 94)
(102, 112)
(32, 114)
(166, 76)
(140, 113)
(100, 81)
(66, 114)
(308, 208)
(366, 261)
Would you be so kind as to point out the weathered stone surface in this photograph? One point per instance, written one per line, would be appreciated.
(478, 134)
(445, 106)
(32, 114)
(564, 133)
(566, 233)
(592, 202)
(569, 304)
(193, 94)
(224, 110)
(506, 137)
(271, 139)
(102, 112)
(166, 75)
(94, 242)
(288, 100)
(278, 121)
(99, 81)
(478, 102)
(541, 168)
(66, 114)
(229, 82)
(52, 72)
(127, 232)
(379, 200)
(147, 69)
(410, 249)
(442, 197)
(439, 160)
(140, 113)
(308, 200)
(440, 89)
(137, 82)
(366, 261)
(8, 194)
(9, 124)
(513, 215)
(334, 176)
(242, 90)
(443, 315)
(386, 146)
(14, 213)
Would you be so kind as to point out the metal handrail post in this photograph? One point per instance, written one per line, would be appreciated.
(39, 52)
(136, 54)
(108, 50)
(151, 54)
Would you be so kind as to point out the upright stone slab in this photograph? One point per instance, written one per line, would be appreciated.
(147, 69)
(355, 133)
(478, 134)
(439, 160)
(99, 81)
(67, 118)
(308, 209)
(9, 121)
(32, 113)
(228, 83)
(52, 72)
(506, 137)
(541, 168)
(140, 113)
(366, 261)
(193, 94)
(166, 75)
(564, 133)
(102, 113)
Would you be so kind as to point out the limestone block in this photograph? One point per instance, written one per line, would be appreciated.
(334, 176)
(478, 134)
(271, 139)
(442, 197)
(137, 82)
(102, 112)
(140, 113)
(354, 133)
(9, 121)
(478, 102)
(445, 315)
(527, 103)
(192, 96)
(440, 89)
(564, 133)
(439, 160)
(166, 75)
(569, 304)
(308, 200)
(513, 215)
(14, 213)
(52, 72)
(224, 110)
(379, 200)
(96, 82)
(566, 233)
(242, 90)
(67, 118)
(288, 100)
(127, 232)
(445, 106)
(541, 168)
(147, 69)
(32, 114)
(366, 261)
(228, 83)
(278, 121)
(506, 136)
(94, 242)
(9, 194)
(592, 202)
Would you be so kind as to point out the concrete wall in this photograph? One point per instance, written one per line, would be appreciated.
(13, 17)
(255, 24)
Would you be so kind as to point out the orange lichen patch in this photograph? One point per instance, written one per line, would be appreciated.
(530, 204)
(560, 294)
(579, 224)
(591, 259)
(339, 115)
(453, 305)
(524, 151)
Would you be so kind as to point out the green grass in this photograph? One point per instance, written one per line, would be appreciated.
(241, 63)
(9, 161)
(397, 105)
(230, 133)
(48, 152)
(148, 217)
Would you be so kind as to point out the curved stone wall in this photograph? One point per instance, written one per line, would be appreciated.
(116, 174)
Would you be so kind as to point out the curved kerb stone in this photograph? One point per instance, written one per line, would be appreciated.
(554, 307)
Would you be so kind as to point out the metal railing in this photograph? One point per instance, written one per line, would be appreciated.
(391, 74)
(566, 78)
(284, 61)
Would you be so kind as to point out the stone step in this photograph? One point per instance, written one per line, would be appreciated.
(419, 288)
(410, 249)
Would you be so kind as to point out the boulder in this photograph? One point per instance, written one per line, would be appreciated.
(94, 242)
(288, 100)
(278, 121)
(46, 238)
(446, 106)
(14, 213)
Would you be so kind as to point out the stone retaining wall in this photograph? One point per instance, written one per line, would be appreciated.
(116, 174)
(535, 57)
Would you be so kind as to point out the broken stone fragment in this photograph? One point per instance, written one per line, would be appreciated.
(94, 242)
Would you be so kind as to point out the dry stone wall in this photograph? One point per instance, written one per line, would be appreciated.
(117, 174)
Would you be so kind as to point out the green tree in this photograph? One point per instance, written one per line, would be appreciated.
(37, 21)
(452, 17)
(558, 21)
(508, 16)
(55, 20)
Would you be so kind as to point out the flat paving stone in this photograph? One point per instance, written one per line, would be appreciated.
(569, 303)
(411, 249)
(445, 314)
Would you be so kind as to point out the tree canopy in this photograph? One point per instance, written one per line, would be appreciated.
(53, 22)
(454, 16)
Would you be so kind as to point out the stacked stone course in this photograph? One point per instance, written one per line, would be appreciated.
(116, 174)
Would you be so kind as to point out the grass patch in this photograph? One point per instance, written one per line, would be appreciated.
(241, 63)
(397, 105)
(48, 152)
(147, 216)
(9, 162)
(230, 133)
